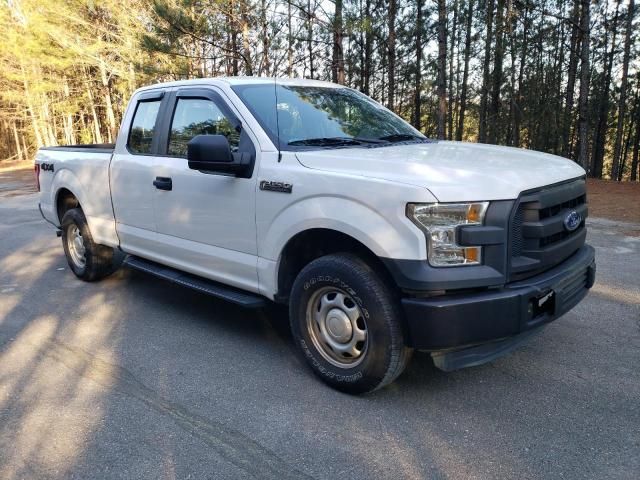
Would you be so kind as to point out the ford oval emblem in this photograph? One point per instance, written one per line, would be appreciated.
(572, 221)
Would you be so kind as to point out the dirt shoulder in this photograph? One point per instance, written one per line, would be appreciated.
(613, 200)
(17, 181)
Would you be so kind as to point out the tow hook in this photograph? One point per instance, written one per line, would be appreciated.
(58, 233)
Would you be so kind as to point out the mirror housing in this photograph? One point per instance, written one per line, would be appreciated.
(212, 153)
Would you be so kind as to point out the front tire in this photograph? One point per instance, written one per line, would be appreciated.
(88, 260)
(347, 324)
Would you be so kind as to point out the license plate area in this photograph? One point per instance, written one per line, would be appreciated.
(542, 306)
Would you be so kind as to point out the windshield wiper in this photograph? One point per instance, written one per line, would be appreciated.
(333, 141)
(324, 142)
(401, 137)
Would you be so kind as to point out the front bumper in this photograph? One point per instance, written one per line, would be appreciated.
(500, 316)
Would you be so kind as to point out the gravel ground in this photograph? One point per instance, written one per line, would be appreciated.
(134, 377)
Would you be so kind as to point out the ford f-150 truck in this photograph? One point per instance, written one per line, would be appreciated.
(311, 194)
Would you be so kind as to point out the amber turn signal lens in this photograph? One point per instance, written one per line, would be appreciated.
(475, 213)
(472, 254)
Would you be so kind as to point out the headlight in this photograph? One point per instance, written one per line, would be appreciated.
(439, 221)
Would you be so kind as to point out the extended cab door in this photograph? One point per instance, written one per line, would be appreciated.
(132, 172)
(205, 221)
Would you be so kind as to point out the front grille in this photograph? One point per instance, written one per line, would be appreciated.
(517, 242)
(555, 209)
(538, 236)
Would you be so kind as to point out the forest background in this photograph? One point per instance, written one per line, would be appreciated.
(558, 76)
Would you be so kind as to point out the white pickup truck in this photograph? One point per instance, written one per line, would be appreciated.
(311, 194)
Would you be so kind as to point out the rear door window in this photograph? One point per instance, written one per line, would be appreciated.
(143, 127)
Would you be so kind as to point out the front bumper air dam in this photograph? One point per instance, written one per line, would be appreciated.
(473, 328)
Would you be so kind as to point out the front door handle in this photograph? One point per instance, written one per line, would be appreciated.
(163, 183)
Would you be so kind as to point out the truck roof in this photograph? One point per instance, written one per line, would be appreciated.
(242, 81)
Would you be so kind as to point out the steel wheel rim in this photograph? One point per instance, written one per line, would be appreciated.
(75, 244)
(337, 327)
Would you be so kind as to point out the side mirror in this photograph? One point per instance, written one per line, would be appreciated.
(212, 153)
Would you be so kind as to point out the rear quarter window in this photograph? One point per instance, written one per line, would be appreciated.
(143, 127)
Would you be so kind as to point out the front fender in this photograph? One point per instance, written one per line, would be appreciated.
(386, 235)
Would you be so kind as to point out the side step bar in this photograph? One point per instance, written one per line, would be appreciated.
(215, 289)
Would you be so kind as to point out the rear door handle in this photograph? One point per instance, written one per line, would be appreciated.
(163, 183)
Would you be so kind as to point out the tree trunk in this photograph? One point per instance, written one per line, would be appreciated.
(368, 37)
(602, 127)
(454, 30)
(337, 63)
(583, 99)
(636, 149)
(496, 82)
(465, 75)
(615, 173)
(31, 108)
(391, 54)
(517, 111)
(625, 151)
(571, 81)
(484, 90)
(310, 39)
(246, 47)
(97, 135)
(442, 65)
(417, 92)
(17, 140)
(513, 26)
(70, 136)
(233, 34)
(289, 42)
(111, 118)
(25, 148)
(264, 27)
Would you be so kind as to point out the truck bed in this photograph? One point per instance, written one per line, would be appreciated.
(92, 147)
(83, 170)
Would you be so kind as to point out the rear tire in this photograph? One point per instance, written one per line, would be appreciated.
(88, 260)
(347, 324)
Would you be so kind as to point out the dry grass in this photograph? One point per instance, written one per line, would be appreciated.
(13, 166)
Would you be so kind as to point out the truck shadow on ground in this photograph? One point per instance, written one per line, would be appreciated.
(227, 376)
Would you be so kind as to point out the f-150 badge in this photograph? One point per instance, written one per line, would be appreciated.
(282, 187)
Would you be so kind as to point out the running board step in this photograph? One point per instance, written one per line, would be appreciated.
(200, 284)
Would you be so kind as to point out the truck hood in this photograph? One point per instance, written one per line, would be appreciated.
(451, 171)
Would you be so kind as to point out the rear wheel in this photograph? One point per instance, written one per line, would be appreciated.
(88, 260)
(347, 324)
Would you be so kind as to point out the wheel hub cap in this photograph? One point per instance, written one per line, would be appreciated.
(337, 327)
(75, 243)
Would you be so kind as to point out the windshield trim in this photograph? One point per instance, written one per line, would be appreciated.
(273, 136)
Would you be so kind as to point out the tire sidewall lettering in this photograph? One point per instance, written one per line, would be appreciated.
(325, 371)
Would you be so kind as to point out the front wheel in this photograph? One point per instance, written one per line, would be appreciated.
(88, 260)
(347, 324)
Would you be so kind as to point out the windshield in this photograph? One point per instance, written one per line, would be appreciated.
(323, 117)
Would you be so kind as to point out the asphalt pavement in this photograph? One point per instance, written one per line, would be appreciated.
(136, 378)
